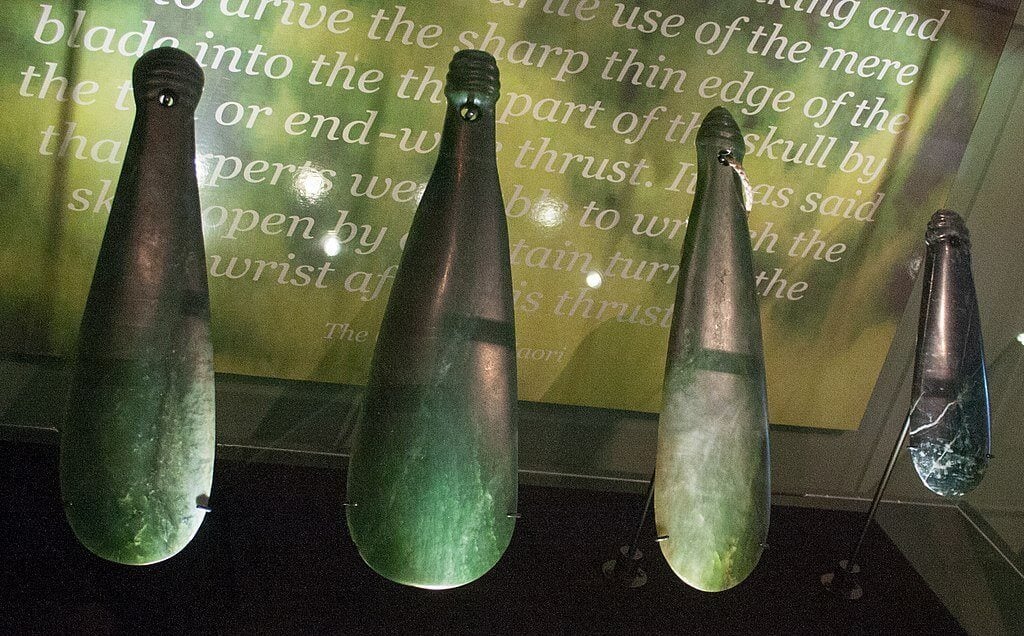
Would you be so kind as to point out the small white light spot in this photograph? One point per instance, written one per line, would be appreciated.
(331, 245)
(311, 185)
(594, 280)
(1020, 338)
(548, 212)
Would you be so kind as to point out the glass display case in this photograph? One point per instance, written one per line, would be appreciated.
(315, 139)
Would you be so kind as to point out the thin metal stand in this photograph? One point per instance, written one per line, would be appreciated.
(843, 582)
(630, 574)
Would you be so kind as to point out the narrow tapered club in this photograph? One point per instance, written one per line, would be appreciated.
(712, 479)
(950, 419)
(136, 456)
(432, 480)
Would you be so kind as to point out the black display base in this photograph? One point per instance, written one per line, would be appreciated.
(625, 571)
(843, 582)
(275, 557)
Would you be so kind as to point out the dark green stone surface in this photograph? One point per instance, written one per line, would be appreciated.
(137, 458)
(432, 480)
(433, 489)
(712, 485)
(950, 419)
(138, 444)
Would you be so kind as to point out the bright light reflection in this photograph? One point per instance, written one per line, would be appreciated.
(915, 265)
(594, 280)
(548, 213)
(202, 172)
(310, 185)
(1020, 338)
(331, 245)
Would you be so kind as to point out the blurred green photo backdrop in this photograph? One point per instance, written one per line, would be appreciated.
(315, 137)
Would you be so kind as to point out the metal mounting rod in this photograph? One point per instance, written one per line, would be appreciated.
(880, 490)
(844, 580)
(631, 575)
(643, 519)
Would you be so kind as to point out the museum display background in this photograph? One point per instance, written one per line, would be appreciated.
(315, 137)
(309, 422)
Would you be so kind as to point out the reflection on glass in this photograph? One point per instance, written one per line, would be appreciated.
(310, 185)
(331, 244)
(202, 171)
(549, 212)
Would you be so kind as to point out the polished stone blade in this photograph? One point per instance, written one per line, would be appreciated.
(949, 420)
(712, 490)
(433, 477)
(138, 444)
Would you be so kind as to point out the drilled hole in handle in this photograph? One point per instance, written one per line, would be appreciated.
(469, 111)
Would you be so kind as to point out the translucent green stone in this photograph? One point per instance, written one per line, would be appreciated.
(433, 491)
(712, 492)
(137, 447)
(137, 458)
(433, 476)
